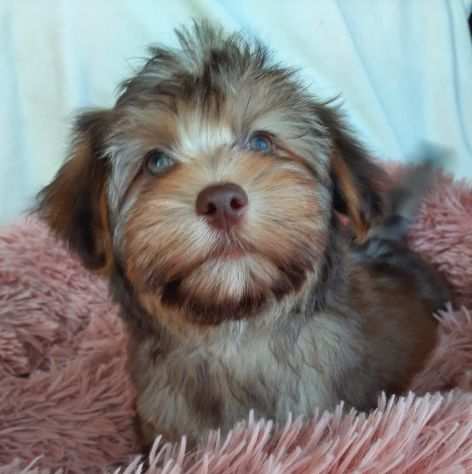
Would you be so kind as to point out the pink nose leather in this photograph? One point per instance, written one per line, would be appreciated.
(222, 205)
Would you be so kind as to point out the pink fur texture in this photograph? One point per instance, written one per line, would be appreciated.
(66, 404)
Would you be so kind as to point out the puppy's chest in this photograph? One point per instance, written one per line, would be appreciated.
(272, 374)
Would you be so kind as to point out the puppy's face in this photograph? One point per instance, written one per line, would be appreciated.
(210, 184)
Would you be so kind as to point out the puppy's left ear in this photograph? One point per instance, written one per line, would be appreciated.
(74, 204)
(357, 180)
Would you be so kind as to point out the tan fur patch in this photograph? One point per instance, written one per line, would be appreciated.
(352, 198)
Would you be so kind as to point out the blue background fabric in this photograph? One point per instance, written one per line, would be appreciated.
(403, 69)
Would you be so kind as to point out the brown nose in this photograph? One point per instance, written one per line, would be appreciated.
(223, 205)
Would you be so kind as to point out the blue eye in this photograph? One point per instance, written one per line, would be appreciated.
(157, 162)
(260, 142)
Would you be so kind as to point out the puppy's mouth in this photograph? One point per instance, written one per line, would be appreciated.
(229, 254)
(233, 283)
(228, 250)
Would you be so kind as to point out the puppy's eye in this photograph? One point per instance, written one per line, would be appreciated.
(260, 142)
(157, 162)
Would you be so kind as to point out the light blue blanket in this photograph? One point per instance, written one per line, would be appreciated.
(403, 67)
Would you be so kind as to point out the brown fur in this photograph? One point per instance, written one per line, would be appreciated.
(352, 198)
(283, 313)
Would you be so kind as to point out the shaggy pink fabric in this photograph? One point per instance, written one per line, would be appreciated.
(66, 404)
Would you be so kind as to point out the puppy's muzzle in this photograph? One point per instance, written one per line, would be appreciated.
(222, 205)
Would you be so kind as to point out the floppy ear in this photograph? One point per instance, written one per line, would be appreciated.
(74, 204)
(357, 181)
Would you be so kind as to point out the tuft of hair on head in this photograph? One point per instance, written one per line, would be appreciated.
(403, 201)
(204, 50)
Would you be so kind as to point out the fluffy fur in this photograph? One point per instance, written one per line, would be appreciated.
(67, 402)
(283, 312)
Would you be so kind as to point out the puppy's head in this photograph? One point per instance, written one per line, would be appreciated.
(211, 184)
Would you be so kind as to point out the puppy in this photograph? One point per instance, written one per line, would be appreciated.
(209, 197)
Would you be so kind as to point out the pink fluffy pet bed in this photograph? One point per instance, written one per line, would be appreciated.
(66, 404)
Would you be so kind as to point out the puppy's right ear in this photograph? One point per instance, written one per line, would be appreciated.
(74, 204)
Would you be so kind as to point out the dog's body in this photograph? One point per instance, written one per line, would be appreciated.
(372, 334)
(209, 197)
